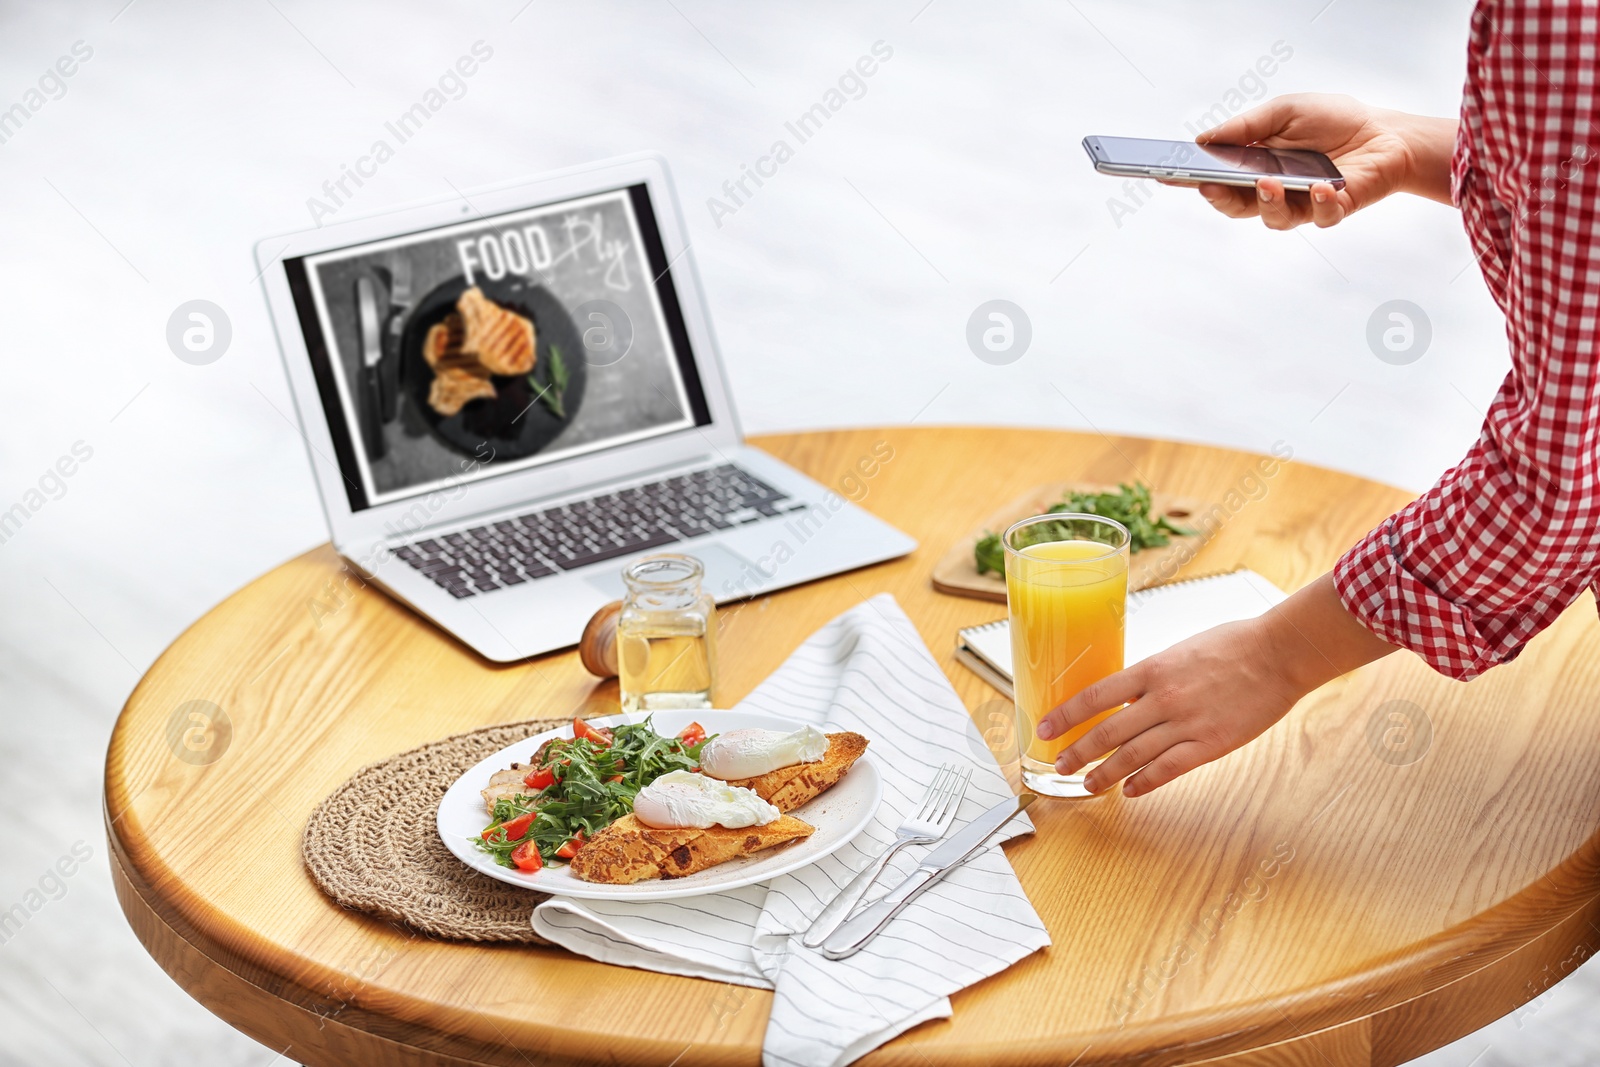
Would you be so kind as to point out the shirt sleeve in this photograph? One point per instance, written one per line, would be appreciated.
(1491, 555)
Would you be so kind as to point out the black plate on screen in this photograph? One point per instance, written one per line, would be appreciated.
(515, 423)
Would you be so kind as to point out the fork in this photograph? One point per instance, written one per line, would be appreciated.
(924, 826)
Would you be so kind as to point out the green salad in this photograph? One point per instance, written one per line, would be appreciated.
(1129, 505)
(578, 786)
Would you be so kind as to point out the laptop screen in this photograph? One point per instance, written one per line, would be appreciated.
(505, 342)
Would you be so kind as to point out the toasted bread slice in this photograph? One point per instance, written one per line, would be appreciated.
(787, 788)
(628, 851)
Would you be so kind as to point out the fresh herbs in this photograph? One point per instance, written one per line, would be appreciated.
(553, 394)
(990, 554)
(1129, 505)
(580, 785)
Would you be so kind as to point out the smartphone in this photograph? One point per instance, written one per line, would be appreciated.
(1186, 161)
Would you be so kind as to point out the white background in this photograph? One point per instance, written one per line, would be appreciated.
(840, 292)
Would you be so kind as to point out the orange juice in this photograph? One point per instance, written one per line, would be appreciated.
(1067, 600)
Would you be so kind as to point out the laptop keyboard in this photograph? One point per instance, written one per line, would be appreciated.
(542, 543)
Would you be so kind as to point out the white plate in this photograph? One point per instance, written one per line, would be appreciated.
(839, 815)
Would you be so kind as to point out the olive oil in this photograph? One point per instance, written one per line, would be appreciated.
(666, 665)
(666, 636)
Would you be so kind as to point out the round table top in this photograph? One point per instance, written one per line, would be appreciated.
(1353, 887)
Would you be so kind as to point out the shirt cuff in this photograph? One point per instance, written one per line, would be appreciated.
(1376, 586)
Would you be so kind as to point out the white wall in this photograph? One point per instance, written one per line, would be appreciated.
(196, 129)
(840, 292)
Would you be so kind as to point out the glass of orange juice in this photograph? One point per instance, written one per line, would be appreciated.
(1067, 589)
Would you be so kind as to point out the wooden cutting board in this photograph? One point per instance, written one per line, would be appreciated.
(957, 572)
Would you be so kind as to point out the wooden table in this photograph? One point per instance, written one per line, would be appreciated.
(1351, 888)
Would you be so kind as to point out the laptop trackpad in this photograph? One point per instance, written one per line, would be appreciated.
(725, 570)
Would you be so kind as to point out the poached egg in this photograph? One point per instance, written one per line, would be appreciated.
(741, 754)
(683, 799)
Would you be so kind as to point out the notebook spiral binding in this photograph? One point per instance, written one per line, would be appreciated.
(1189, 580)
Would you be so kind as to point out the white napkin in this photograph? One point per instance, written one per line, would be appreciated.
(866, 671)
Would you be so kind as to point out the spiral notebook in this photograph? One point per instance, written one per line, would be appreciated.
(1158, 618)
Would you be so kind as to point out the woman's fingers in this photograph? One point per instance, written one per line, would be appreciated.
(1254, 125)
(1133, 754)
(1278, 210)
(1327, 205)
(1284, 209)
(1181, 758)
(1112, 732)
(1232, 201)
(1107, 693)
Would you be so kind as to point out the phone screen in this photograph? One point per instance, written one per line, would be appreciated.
(1246, 161)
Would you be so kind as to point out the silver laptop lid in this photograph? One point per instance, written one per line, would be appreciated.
(461, 357)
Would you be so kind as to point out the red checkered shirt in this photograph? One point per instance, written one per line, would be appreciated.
(1506, 539)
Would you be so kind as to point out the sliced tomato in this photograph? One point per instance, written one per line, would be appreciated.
(584, 732)
(516, 829)
(526, 857)
(615, 778)
(692, 734)
(570, 848)
(539, 779)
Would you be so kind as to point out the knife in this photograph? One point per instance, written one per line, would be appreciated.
(371, 357)
(854, 933)
(399, 304)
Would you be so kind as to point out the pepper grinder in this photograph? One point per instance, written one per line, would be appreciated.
(597, 648)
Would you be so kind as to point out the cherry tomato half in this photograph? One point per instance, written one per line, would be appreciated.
(516, 829)
(570, 848)
(584, 732)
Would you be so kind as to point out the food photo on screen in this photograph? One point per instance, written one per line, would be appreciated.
(493, 345)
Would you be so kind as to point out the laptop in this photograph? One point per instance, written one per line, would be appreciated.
(508, 396)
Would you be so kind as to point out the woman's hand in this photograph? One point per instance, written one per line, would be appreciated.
(1204, 697)
(1200, 699)
(1379, 152)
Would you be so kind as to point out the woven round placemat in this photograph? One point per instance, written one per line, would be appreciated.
(373, 845)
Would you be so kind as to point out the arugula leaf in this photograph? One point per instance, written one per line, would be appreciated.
(1129, 505)
(553, 394)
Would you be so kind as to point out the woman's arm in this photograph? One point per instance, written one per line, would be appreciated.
(1208, 695)
(1432, 142)
(1506, 539)
(1469, 572)
(1379, 152)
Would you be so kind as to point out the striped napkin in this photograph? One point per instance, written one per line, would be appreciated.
(866, 671)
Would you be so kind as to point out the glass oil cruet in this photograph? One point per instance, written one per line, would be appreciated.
(666, 635)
